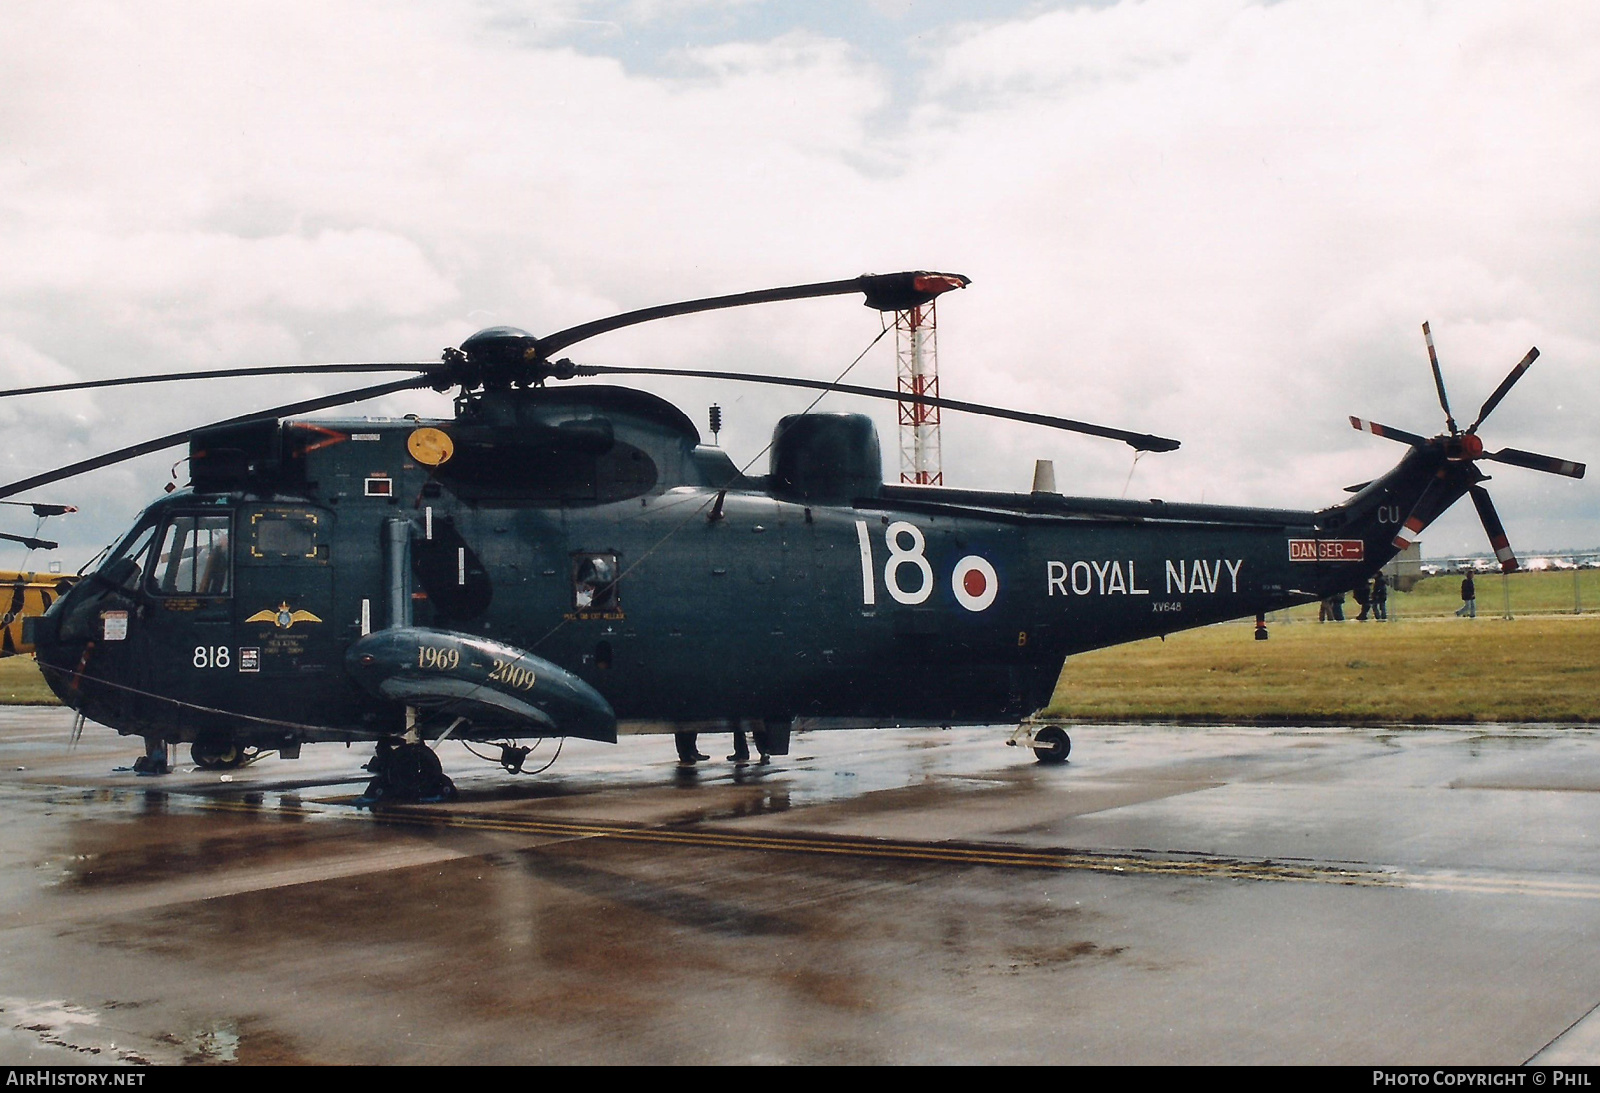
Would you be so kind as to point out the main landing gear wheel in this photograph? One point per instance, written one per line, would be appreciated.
(216, 754)
(408, 772)
(1052, 745)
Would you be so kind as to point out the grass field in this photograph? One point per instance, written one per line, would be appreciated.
(1535, 668)
(1542, 668)
(22, 685)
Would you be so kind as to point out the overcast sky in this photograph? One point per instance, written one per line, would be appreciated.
(1216, 220)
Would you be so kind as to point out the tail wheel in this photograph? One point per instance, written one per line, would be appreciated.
(216, 754)
(1052, 745)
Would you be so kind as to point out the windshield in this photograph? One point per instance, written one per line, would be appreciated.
(134, 548)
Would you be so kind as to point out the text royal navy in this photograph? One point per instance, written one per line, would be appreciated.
(1111, 577)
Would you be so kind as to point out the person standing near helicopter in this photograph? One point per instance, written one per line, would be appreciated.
(1363, 597)
(741, 750)
(1469, 598)
(688, 753)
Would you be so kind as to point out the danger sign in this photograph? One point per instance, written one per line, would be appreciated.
(1326, 550)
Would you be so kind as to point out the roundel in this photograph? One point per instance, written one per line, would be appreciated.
(974, 582)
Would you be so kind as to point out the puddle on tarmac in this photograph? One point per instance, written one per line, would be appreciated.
(218, 1043)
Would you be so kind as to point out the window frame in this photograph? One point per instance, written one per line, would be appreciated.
(320, 553)
(156, 580)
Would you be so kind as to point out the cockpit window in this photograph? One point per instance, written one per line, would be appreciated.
(126, 566)
(193, 559)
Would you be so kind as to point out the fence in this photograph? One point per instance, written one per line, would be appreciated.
(1562, 585)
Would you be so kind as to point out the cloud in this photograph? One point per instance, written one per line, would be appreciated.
(1243, 225)
(1223, 221)
(1063, 51)
(220, 273)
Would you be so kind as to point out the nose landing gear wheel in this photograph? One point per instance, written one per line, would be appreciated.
(1052, 745)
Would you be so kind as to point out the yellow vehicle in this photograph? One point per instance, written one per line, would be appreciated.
(25, 594)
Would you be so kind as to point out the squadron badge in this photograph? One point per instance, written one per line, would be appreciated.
(283, 618)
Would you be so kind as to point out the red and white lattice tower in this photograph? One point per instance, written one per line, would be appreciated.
(917, 369)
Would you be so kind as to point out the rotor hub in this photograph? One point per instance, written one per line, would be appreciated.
(1467, 446)
(497, 357)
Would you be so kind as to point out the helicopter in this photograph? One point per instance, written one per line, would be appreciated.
(31, 592)
(568, 561)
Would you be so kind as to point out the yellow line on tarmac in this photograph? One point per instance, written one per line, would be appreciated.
(1147, 864)
(882, 849)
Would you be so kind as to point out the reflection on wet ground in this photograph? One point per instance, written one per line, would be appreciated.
(1174, 893)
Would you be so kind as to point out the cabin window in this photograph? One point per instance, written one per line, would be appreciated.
(193, 558)
(594, 583)
(283, 535)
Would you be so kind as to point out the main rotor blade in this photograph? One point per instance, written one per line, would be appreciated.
(121, 455)
(43, 508)
(1505, 385)
(884, 291)
(1438, 379)
(1144, 442)
(1496, 530)
(31, 544)
(224, 373)
(1388, 432)
(1536, 462)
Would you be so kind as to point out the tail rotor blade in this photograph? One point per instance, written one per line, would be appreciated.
(1496, 530)
(1438, 379)
(1388, 432)
(1536, 462)
(1505, 385)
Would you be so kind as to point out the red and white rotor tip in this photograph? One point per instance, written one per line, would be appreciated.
(1409, 533)
(936, 283)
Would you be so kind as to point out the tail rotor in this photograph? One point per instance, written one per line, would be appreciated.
(1465, 446)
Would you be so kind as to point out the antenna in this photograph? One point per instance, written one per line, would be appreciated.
(716, 422)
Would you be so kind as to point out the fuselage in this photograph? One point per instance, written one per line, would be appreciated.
(616, 547)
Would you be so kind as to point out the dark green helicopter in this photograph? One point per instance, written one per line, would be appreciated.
(556, 561)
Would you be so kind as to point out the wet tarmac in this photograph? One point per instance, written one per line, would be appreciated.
(1172, 894)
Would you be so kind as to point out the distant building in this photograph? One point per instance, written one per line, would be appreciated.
(1405, 569)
